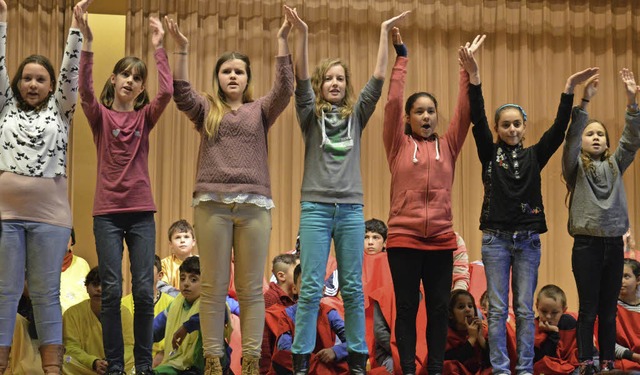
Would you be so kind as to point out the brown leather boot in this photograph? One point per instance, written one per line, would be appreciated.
(4, 358)
(52, 358)
(250, 365)
(212, 366)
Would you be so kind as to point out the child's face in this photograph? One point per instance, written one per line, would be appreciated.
(594, 140)
(190, 286)
(373, 243)
(549, 310)
(629, 283)
(128, 85)
(233, 78)
(157, 275)
(423, 117)
(94, 291)
(285, 278)
(511, 126)
(35, 84)
(463, 311)
(182, 244)
(334, 84)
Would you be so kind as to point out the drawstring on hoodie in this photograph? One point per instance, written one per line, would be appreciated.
(415, 150)
(326, 139)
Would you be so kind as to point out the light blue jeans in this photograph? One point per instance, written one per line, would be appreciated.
(504, 253)
(319, 223)
(37, 249)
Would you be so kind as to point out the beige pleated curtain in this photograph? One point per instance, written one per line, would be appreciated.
(531, 49)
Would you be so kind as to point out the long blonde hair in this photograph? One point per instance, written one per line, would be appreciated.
(317, 79)
(587, 161)
(217, 101)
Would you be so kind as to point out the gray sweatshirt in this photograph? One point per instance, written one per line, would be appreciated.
(332, 145)
(598, 205)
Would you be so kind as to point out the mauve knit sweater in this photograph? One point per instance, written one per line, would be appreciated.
(235, 161)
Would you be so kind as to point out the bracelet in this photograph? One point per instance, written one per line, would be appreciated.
(180, 53)
(585, 100)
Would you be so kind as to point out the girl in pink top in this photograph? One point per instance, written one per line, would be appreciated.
(421, 239)
(123, 206)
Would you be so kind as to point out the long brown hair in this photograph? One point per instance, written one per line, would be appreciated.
(126, 64)
(317, 79)
(45, 63)
(217, 101)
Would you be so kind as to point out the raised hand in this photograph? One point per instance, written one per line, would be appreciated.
(477, 42)
(157, 32)
(630, 85)
(83, 5)
(283, 33)
(178, 37)
(291, 15)
(396, 38)
(591, 87)
(578, 78)
(391, 22)
(82, 22)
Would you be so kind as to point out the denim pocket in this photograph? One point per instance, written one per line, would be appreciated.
(487, 238)
(535, 241)
(308, 206)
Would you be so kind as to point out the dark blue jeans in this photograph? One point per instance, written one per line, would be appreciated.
(138, 230)
(597, 267)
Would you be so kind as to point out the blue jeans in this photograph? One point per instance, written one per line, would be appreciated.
(138, 229)
(319, 222)
(597, 264)
(504, 253)
(39, 248)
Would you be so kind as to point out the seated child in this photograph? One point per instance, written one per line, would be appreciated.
(180, 325)
(281, 291)
(556, 349)
(160, 302)
(82, 333)
(467, 351)
(327, 357)
(74, 270)
(182, 242)
(628, 319)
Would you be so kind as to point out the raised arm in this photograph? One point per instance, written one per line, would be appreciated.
(573, 142)
(458, 129)
(90, 105)
(383, 47)
(5, 89)
(181, 68)
(165, 82)
(283, 36)
(302, 43)
(393, 129)
(554, 136)
(66, 93)
(468, 61)
(630, 138)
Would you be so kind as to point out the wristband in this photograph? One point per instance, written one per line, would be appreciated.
(585, 100)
